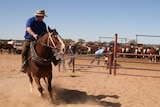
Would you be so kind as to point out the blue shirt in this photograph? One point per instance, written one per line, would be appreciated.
(100, 51)
(36, 26)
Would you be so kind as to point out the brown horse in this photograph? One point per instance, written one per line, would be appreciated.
(6, 46)
(39, 63)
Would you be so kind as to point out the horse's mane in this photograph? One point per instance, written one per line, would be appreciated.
(50, 30)
(40, 36)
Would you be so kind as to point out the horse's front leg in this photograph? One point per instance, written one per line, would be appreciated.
(40, 89)
(50, 87)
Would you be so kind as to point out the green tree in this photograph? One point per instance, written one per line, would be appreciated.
(132, 41)
(67, 40)
(81, 40)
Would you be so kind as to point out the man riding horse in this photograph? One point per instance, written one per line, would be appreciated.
(35, 28)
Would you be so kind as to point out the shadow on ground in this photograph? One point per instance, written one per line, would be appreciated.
(67, 96)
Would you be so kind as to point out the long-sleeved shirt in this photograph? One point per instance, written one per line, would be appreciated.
(100, 51)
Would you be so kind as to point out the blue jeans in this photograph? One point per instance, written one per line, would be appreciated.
(97, 57)
(70, 59)
(62, 60)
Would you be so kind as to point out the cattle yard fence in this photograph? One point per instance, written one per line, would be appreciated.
(112, 59)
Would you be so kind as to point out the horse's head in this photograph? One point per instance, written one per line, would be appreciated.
(55, 40)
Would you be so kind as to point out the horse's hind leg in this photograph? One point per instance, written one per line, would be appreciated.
(40, 90)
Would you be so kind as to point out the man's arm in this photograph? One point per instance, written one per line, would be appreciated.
(29, 30)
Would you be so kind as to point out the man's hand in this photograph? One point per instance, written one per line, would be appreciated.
(35, 36)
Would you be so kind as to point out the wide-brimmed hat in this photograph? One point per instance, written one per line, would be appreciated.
(40, 13)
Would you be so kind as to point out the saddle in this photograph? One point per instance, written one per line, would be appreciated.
(35, 58)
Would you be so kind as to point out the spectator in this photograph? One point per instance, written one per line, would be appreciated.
(71, 52)
(62, 61)
(98, 54)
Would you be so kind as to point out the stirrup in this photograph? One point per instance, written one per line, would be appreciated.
(24, 66)
(23, 70)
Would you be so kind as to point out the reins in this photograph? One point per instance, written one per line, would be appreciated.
(49, 39)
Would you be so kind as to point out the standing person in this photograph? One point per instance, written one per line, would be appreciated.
(61, 56)
(98, 54)
(35, 28)
(71, 52)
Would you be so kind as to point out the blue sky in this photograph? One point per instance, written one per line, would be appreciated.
(85, 19)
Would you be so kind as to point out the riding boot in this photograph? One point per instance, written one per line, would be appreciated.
(24, 66)
(54, 60)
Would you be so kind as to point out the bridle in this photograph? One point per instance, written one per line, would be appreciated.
(51, 40)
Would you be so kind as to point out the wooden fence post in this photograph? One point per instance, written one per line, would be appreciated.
(115, 53)
(73, 63)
